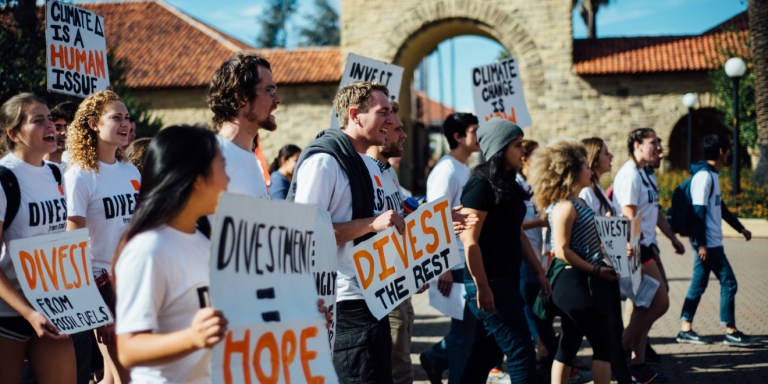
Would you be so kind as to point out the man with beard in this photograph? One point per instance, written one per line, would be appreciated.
(242, 96)
(389, 196)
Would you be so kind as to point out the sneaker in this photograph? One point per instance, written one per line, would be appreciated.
(739, 339)
(580, 376)
(645, 375)
(690, 337)
(433, 375)
(651, 356)
(497, 376)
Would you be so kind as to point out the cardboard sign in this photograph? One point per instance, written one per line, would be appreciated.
(391, 267)
(614, 234)
(498, 92)
(55, 274)
(76, 50)
(361, 68)
(261, 279)
(324, 267)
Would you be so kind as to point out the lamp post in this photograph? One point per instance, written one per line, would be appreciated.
(689, 101)
(735, 68)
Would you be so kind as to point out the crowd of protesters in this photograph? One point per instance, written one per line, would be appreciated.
(526, 231)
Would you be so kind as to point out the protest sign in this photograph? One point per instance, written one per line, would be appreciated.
(498, 92)
(324, 266)
(361, 68)
(261, 279)
(76, 50)
(391, 266)
(615, 233)
(55, 274)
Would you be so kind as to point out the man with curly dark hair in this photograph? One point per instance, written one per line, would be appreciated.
(242, 96)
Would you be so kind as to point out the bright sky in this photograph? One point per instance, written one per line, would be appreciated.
(620, 18)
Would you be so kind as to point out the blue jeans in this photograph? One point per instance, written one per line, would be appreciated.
(539, 328)
(453, 351)
(717, 263)
(506, 332)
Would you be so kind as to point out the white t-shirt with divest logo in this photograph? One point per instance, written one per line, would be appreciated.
(161, 281)
(321, 181)
(42, 211)
(633, 186)
(106, 199)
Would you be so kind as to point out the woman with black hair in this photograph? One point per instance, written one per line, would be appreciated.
(281, 171)
(494, 248)
(161, 264)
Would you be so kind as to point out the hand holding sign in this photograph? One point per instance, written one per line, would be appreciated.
(208, 327)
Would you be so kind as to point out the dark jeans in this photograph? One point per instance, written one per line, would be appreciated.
(529, 289)
(717, 263)
(506, 333)
(363, 350)
(453, 351)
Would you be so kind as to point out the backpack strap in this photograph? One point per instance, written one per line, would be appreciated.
(12, 195)
(56, 172)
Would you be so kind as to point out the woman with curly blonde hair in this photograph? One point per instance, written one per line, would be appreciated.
(102, 192)
(580, 273)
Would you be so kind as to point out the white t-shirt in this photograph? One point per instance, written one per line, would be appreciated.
(321, 181)
(42, 211)
(391, 196)
(447, 179)
(161, 282)
(632, 186)
(106, 199)
(590, 197)
(243, 169)
(701, 185)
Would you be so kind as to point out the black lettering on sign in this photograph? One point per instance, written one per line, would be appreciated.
(268, 293)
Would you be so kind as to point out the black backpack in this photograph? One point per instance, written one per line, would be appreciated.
(681, 215)
(13, 194)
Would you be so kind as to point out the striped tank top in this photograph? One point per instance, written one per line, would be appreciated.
(584, 239)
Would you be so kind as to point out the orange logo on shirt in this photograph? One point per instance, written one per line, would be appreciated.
(135, 184)
(61, 190)
(378, 181)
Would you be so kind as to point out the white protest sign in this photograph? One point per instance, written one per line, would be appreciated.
(361, 68)
(324, 266)
(76, 50)
(391, 267)
(498, 92)
(261, 279)
(614, 234)
(55, 274)
(635, 261)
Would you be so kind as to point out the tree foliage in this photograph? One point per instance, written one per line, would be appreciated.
(274, 24)
(322, 26)
(23, 68)
(722, 87)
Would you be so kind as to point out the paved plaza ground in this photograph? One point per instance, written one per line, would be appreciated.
(684, 363)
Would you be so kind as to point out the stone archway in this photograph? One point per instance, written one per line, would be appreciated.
(705, 121)
(421, 27)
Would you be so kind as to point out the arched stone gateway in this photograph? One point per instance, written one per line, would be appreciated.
(573, 89)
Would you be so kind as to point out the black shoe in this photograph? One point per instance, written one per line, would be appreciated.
(650, 355)
(644, 374)
(690, 337)
(739, 339)
(433, 375)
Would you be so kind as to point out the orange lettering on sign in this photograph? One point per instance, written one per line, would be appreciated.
(378, 245)
(366, 278)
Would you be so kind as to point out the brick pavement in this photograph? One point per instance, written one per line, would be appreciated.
(684, 363)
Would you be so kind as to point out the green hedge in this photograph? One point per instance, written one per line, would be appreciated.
(752, 199)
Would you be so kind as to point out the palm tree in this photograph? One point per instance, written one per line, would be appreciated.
(588, 11)
(758, 31)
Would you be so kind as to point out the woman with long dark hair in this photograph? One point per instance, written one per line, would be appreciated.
(161, 264)
(281, 171)
(29, 135)
(494, 249)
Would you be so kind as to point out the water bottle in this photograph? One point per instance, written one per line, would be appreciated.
(410, 204)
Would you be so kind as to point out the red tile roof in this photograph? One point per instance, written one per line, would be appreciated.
(435, 111)
(167, 48)
(633, 55)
